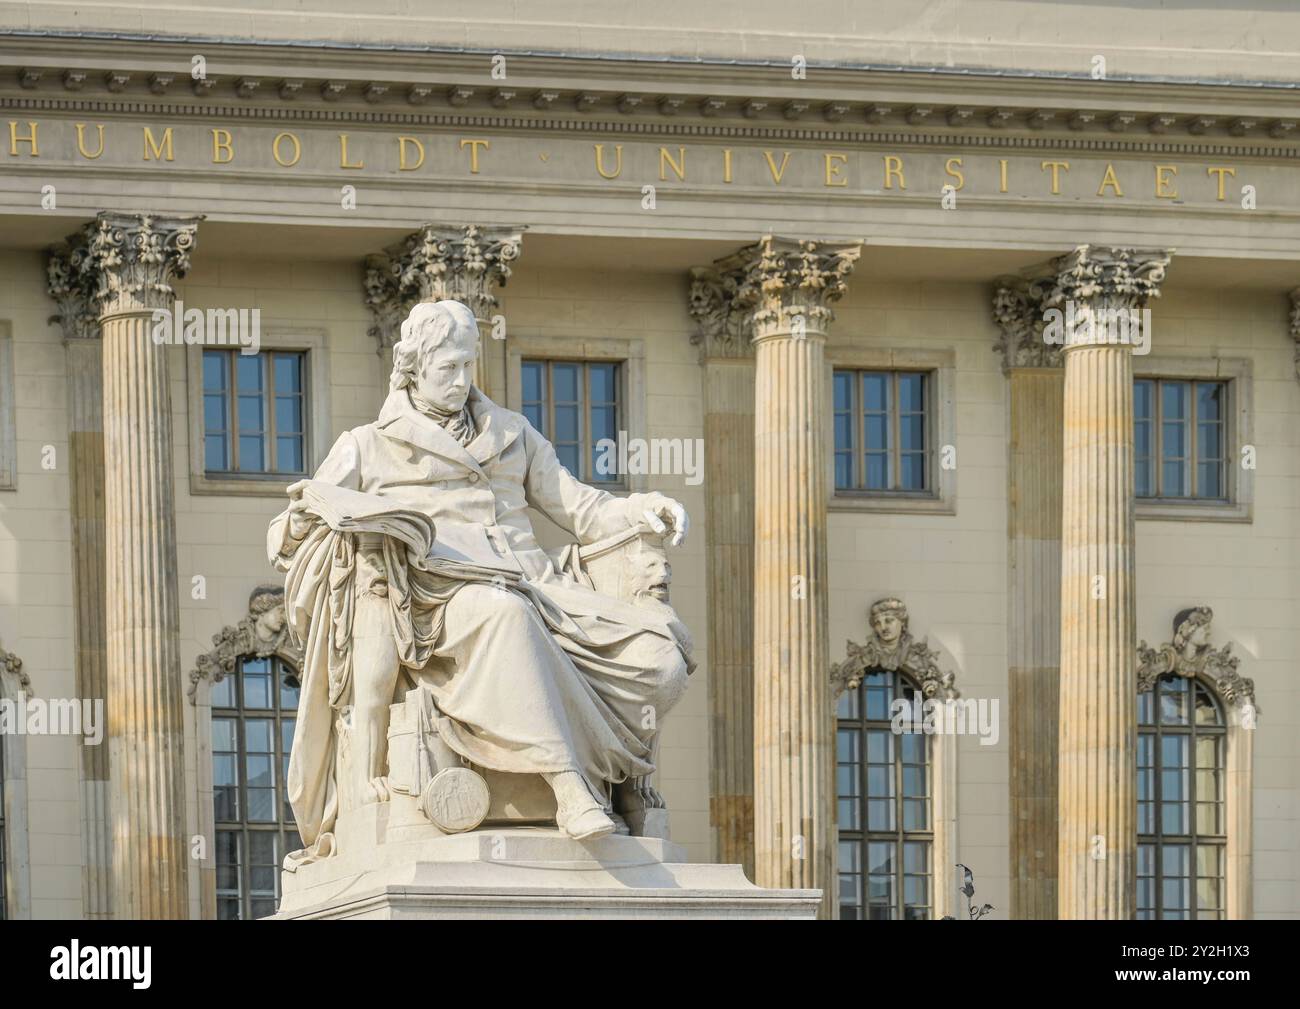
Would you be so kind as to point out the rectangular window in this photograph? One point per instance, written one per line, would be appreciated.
(883, 429)
(575, 405)
(254, 413)
(1180, 439)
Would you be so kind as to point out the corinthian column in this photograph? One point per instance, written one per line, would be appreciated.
(789, 287)
(727, 356)
(439, 263)
(133, 258)
(69, 288)
(1098, 730)
(1035, 393)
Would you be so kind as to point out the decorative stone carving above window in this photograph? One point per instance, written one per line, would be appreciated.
(891, 647)
(1189, 655)
(11, 667)
(264, 632)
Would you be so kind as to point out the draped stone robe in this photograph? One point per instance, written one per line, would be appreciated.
(531, 670)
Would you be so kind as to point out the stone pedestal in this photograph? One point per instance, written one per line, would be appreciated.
(393, 865)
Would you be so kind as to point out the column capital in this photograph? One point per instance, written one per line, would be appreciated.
(463, 263)
(775, 287)
(129, 260)
(1099, 290)
(69, 282)
(1018, 312)
(1295, 327)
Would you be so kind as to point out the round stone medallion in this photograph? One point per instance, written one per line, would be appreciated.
(455, 800)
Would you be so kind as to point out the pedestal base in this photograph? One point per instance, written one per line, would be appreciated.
(528, 872)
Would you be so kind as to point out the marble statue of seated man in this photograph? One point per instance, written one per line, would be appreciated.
(410, 561)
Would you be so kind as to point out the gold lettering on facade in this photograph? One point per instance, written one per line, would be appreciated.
(1109, 179)
(81, 141)
(1002, 175)
(343, 153)
(15, 139)
(834, 178)
(666, 161)
(953, 168)
(894, 167)
(403, 165)
(1221, 172)
(600, 161)
(222, 144)
(474, 145)
(1056, 167)
(1164, 185)
(777, 174)
(275, 150)
(156, 150)
(726, 164)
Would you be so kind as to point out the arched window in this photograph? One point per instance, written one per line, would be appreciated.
(253, 715)
(886, 821)
(1182, 821)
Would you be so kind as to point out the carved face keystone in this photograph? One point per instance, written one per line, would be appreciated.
(888, 627)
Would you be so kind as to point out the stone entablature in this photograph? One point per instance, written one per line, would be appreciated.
(493, 85)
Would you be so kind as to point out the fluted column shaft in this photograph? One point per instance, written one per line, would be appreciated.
(135, 258)
(1097, 768)
(86, 462)
(794, 808)
(1034, 626)
(790, 286)
(729, 513)
(1098, 729)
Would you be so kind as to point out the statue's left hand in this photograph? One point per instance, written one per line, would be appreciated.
(665, 514)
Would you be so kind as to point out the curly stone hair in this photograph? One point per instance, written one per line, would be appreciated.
(429, 325)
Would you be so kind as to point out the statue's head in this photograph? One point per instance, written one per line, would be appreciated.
(1192, 629)
(436, 355)
(889, 620)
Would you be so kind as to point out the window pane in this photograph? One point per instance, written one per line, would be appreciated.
(288, 373)
(249, 369)
(875, 395)
(214, 370)
(1209, 400)
(911, 395)
(564, 382)
(215, 456)
(1173, 398)
(288, 415)
(532, 382)
(843, 390)
(288, 454)
(251, 455)
(600, 378)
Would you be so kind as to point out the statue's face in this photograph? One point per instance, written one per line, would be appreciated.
(1200, 636)
(888, 626)
(447, 374)
(653, 574)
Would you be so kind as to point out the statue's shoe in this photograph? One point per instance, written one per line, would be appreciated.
(585, 824)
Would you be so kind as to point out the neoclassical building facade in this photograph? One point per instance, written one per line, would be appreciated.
(977, 366)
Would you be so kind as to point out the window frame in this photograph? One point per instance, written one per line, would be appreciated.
(863, 836)
(269, 434)
(282, 827)
(1192, 839)
(629, 354)
(1238, 430)
(586, 444)
(941, 366)
(312, 343)
(893, 450)
(1192, 423)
